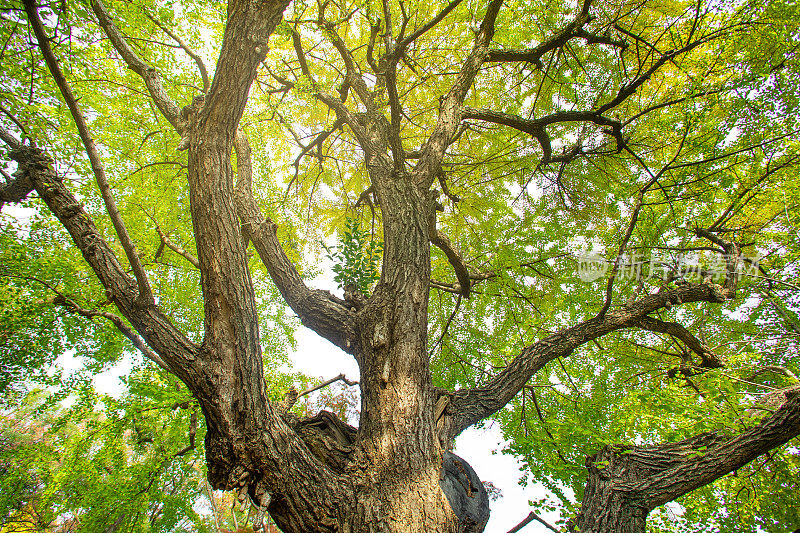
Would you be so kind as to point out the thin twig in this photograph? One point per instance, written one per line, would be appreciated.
(201, 66)
(340, 377)
(447, 325)
(177, 249)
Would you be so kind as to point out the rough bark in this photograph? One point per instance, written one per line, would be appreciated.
(627, 482)
(397, 428)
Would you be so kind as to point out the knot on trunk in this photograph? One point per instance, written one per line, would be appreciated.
(328, 438)
(30, 160)
(465, 493)
(187, 115)
(376, 130)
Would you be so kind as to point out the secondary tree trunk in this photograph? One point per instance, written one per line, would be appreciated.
(627, 482)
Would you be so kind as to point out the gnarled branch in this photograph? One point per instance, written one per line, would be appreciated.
(537, 127)
(698, 469)
(173, 348)
(316, 309)
(709, 359)
(627, 482)
(560, 38)
(471, 405)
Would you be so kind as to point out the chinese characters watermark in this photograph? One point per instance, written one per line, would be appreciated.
(661, 266)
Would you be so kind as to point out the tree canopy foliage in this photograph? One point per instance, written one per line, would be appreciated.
(609, 188)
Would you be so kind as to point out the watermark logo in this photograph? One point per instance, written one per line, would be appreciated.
(659, 266)
(592, 266)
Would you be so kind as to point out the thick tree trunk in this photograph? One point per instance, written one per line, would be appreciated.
(627, 482)
(393, 468)
(606, 508)
(400, 488)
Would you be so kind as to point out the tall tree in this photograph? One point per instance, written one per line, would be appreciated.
(646, 131)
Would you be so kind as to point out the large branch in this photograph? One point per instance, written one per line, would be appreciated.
(559, 39)
(172, 347)
(626, 482)
(244, 47)
(699, 469)
(248, 444)
(472, 405)
(317, 309)
(450, 109)
(151, 77)
(537, 127)
(145, 292)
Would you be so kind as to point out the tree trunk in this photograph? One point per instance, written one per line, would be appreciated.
(627, 482)
(605, 507)
(399, 489)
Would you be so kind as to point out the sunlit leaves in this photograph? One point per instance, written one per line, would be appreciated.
(103, 460)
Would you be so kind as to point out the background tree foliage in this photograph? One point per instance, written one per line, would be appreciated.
(652, 122)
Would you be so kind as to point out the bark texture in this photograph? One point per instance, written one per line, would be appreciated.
(627, 482)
